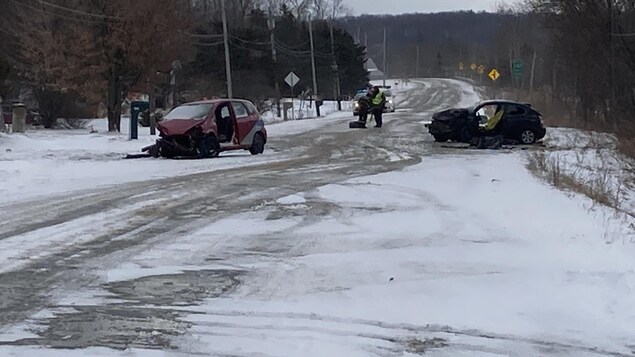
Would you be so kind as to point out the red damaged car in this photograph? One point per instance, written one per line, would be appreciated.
(205, 129)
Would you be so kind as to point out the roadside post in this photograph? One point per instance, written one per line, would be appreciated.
(494, 75)
(286, 104)
(481, 70)
(135, 110)
(3, 125)
(518, 68)
(292, 79)
(153, 124)
(318, 103)
(19, 117)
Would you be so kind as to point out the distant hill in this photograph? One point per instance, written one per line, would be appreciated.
(454, 36)
(464, 26)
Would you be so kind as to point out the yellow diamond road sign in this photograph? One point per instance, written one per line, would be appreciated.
(494, 74)
(461, 66)
(481, 69)
(473, 67)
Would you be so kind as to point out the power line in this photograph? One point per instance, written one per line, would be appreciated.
(295, 55)
(208, 44)
(296, 47)
(284, 47)
(280, 45)
(204, 36)
(245, 48)
(299, 54)
(265, 43)
(89, 21)
(79, 12)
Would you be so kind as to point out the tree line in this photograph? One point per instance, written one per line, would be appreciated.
(98, 51)
(577, 55)
(591, 44)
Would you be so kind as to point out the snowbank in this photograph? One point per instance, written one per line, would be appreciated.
(593, 161)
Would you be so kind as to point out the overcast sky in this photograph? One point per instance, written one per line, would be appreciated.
(406, 6)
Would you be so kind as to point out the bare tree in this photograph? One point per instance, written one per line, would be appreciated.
(329, 9)
(339, 9)
(101, 48)
(299, 8)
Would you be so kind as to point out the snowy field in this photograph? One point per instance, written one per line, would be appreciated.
(466, 253)
(593, 160)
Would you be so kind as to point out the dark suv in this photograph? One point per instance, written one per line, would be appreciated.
(520, 122)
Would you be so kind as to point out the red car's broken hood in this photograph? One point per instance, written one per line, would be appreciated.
(178, 126)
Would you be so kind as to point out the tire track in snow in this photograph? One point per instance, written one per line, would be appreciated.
(284, 323)
(207, 197)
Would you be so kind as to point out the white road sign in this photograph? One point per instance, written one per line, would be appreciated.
(292, 79)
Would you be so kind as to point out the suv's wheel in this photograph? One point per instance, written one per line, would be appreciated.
(527, 136)
(441, 138)
(209, 147)
(258, 145)
(466, 134)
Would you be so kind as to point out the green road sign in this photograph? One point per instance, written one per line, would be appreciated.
(518, 67)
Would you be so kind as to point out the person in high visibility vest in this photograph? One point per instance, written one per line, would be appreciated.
(378, 101)
(492, 122)
(489, 136)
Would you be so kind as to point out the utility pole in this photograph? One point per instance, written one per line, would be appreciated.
(417, 64)
(274, 58)
(612, 59)
(533, 71)
(228, 68)
(317, 108)
(336, 74)
(385, 69)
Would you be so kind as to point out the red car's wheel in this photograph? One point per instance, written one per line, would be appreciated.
(258, 145)
(209, 147)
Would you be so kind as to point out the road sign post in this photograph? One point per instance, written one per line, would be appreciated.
(518, 68)
(480, 70)
(494, 74)
(292, 79)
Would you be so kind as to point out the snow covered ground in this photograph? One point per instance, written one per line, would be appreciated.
(439, 257)
(593, 160)
(435, 251)
(466, 253)
(45, 162)
(53, 162)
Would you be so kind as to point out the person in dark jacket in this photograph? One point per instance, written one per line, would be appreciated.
(364, 107)
(378, 102)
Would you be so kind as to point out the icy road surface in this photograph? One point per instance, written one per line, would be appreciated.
(340, 243)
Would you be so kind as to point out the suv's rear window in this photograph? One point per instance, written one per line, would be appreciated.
(515, 110)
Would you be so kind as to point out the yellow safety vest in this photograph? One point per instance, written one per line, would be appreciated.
(491, 124)
(377, 99)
